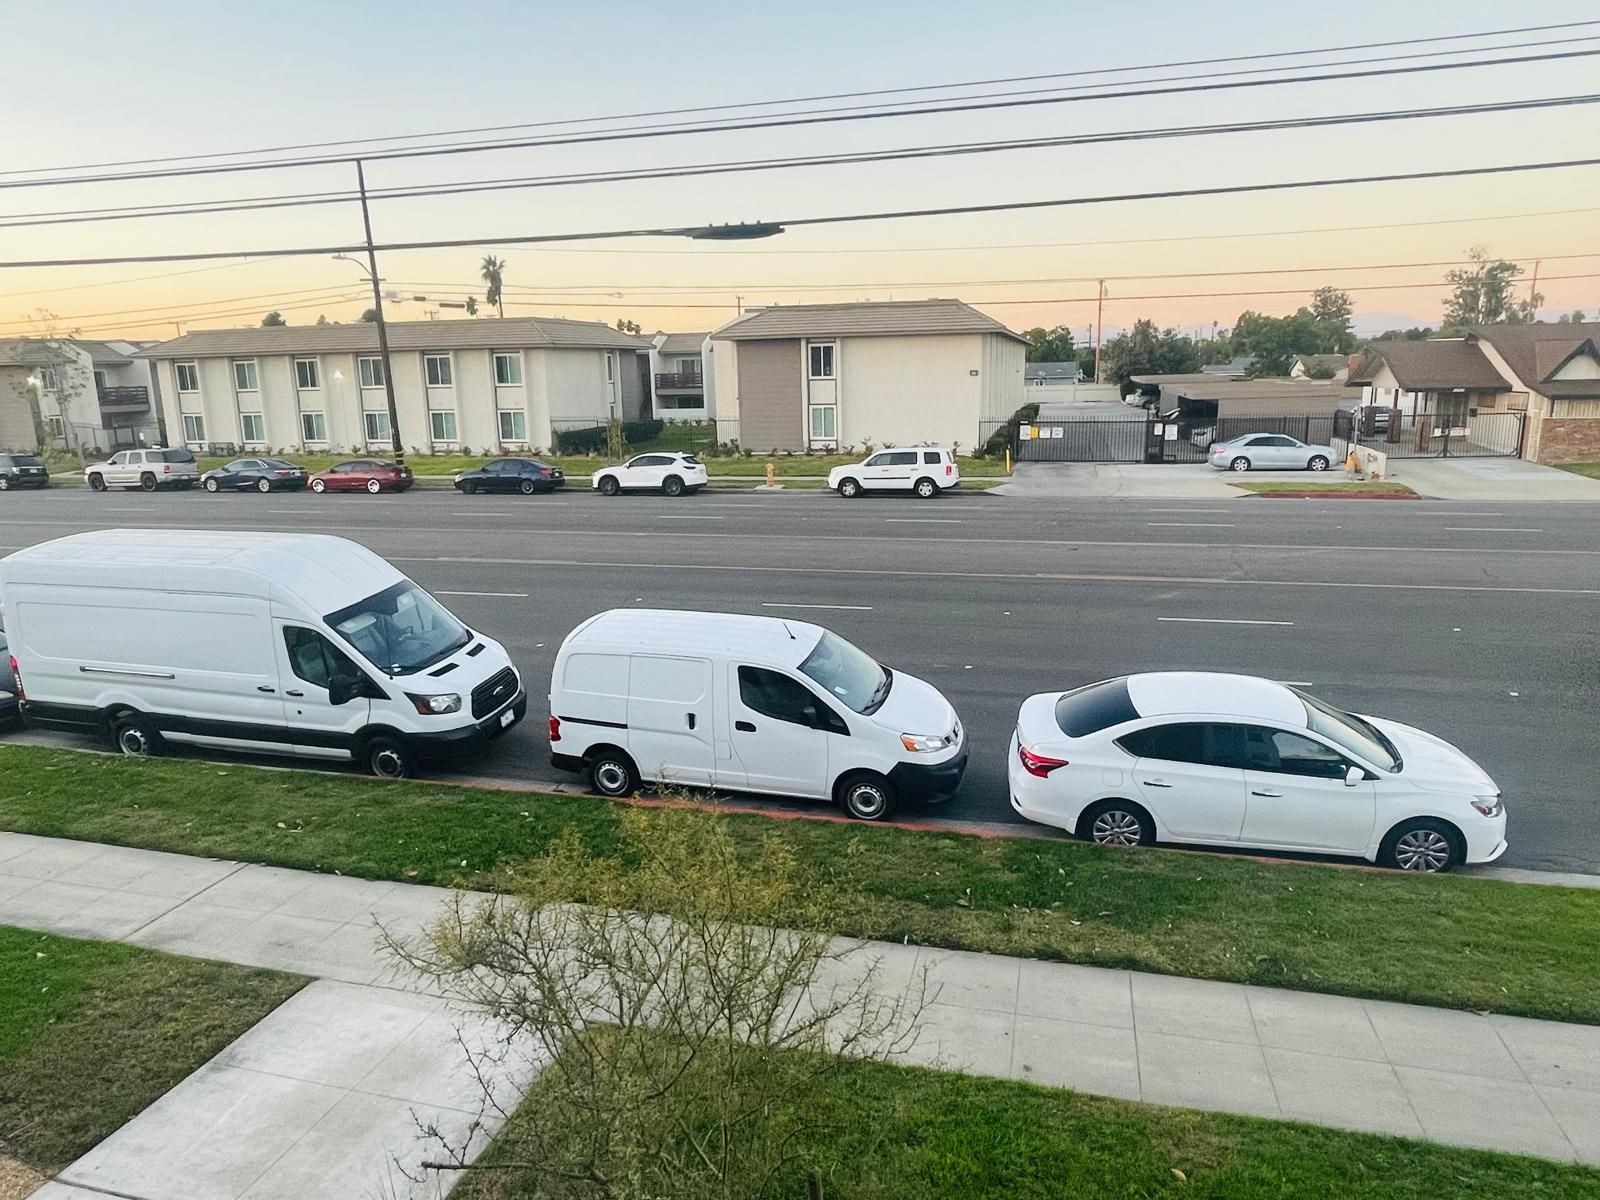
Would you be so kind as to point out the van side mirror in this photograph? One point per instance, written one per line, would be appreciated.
(1353, 776)
(342, 689)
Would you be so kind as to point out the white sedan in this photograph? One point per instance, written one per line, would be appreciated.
(1233, 760)
(1271, 452)
(674, 473)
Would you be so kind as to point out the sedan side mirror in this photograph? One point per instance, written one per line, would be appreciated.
(1353, 776)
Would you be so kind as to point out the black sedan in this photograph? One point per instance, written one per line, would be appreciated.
(525, 475)
(257, 474)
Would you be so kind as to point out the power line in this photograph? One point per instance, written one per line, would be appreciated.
(789, 122)
(297, 200)
(331, 292)
(1194, 62)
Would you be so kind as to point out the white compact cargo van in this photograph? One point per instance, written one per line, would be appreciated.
(750, 704)
(265, 642)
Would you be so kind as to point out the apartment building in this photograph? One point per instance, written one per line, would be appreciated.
(495, 384)
(77, 396)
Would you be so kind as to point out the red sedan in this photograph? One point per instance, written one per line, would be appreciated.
(362, 475)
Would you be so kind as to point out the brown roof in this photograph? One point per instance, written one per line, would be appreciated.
(27, 352)
(1430, 365)
(497, 333)
(683, 343)
(102, 354)
(1535, 352)
(871, 318)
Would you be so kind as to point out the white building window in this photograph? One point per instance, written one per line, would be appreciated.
(188, 376)
(244, 375)
(822, 360)
(314, 428)
(443, 423)
(58, 427)
(824, 423)
(253, 426)
(307, 374)
(194, 429)
(370, 372)
(508, 369)
(49, 380)
(436, 367)
(378, 429)
(513, 425)
(100, 382)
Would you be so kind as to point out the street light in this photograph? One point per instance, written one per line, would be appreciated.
(371, 272)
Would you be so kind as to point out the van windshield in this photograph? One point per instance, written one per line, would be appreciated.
(848, 673)
(400, 630)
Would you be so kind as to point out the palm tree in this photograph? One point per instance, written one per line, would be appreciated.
(492, 270)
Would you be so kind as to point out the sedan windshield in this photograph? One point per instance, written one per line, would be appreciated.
(400, 630)
(848, 673)
(1353, 734)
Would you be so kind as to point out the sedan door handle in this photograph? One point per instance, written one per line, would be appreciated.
(296, 695)
(1156, 783)
(744, 726)
(265, 688)
(1272, 795)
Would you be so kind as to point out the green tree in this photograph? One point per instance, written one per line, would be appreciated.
(1331, 309)
(1146, 350)
(273, 318)
(1575, 317)
(369, 314)
(625, 325)
(1417, 333)
(492, 271)
(472, 306)
(1050, 345)
(322, 318)
(1482, 293)
(1275, 341)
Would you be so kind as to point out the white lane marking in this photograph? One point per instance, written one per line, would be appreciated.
(686, 517)
(1448, 512)
(1190, 510)
(1220, 621)
(921, 521)
(494, 595)
(1487, 529)
(1190, 524)
(836, 607)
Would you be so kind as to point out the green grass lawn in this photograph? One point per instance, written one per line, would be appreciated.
(91, 1033)
(1592, 470)
(1454, 941)
(901, 1133)
(1376, 487)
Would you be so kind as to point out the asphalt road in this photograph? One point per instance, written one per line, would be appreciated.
(1478, 622)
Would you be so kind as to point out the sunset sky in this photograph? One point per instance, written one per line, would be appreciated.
(105, 83)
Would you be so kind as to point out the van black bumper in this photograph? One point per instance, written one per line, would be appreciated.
(468, 739)
(929, 784)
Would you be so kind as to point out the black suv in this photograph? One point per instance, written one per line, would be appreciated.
(22, 470)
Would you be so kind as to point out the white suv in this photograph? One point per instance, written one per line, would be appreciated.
(145, 469)
(672, 472)
(925, 470)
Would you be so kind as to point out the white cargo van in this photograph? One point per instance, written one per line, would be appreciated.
(750, 704)
(280, 643)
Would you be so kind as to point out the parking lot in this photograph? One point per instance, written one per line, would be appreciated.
(1478, 622)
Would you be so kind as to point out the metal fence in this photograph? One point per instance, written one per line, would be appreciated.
(1436, 435)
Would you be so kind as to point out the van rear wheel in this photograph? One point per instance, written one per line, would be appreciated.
(612, 773)
(135, 737)
(866, 796)
(389, 758)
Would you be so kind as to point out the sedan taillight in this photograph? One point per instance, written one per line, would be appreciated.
(1038, 764)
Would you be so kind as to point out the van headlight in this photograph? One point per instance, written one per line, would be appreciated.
(922, 743)
(436, 706)
(1489, 806)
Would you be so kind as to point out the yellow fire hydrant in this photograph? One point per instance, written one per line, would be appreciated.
(770, 474)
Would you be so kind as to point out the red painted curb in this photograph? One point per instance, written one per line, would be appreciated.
(1337, 495)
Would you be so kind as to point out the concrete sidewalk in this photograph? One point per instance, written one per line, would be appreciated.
(1500, 1083)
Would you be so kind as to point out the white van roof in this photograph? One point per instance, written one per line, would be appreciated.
(673, 631)
(324, 573)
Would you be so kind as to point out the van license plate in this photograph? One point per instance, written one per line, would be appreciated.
(507, 717)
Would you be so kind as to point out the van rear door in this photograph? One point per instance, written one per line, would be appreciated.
(670, 726)
(308, 665)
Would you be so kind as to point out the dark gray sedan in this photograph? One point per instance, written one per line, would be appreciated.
(255, 474)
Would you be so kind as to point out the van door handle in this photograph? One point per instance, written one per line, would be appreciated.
(265, 688)
(1156, 783)
(1273, 795)
(691, 720)
(296, 695)
(744, 726)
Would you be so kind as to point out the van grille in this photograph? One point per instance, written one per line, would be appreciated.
(494, 692)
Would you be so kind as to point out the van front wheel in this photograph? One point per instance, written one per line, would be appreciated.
(866, 797)
(390, 758)
(612, 773)
(135, 737)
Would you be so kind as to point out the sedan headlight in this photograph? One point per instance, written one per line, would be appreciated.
(1489, 806)
(922, 743)
(435, 706)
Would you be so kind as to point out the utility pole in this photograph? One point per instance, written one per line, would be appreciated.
(1533, 287)
(1099, 323)
(383, 332)
(738, 306)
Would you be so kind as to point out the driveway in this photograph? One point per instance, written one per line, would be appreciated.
(1494, 480)
(1170, 481)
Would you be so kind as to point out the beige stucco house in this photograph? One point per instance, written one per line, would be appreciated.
(833, 376)
(489, 384)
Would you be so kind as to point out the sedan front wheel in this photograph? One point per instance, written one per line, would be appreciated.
(1426, 846)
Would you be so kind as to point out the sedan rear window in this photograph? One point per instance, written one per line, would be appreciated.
(1098, 706)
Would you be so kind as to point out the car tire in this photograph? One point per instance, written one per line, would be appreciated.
(609, 485)
(1117, 823)
(1423, 845)
(263, 486)
(388, 757)
(866, 796)
(468, 488)
(318, 486)
(612, 773)
(97, 483)
(672, 485)
(849, 488)
(1239, 464)
(134, 736)
(926, 489)
(148, 483)
(5, 484)
(212, 486)
(1319, 462)
(527, 487)
(374, 486)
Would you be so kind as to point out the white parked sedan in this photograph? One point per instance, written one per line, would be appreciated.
(674, 473)
(1233, 760)
(1270, 452)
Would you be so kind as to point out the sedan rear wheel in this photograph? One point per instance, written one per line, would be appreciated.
(1117, 823)
(263, 486)
(526, 487)
(374, 486)
(1239, 464)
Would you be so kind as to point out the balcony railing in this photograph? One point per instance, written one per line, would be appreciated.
(680, 381)
(123, 398)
